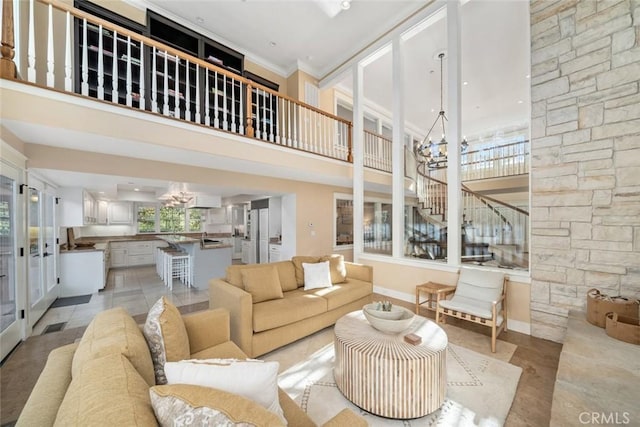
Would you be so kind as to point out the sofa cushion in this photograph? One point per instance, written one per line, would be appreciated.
(295, 306)
(262, 283)
(107, 391)
(343, 293)
(337, 267)
(114, 331)
(253, 379)
(316, 275)
(166, 335)
(297, 265)
(184, 404)
(286, 274)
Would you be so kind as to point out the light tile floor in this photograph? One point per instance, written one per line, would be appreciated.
(136, 289)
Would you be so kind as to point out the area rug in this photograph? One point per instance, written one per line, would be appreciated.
(480, 391)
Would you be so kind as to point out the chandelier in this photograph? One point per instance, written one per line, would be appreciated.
(435, 153)
(182, 197)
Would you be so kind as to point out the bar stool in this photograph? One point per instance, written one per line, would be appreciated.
(161, 261)
(178, 265)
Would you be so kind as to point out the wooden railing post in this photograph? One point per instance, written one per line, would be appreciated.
(249, 106)
(350, 144)
(7, 66)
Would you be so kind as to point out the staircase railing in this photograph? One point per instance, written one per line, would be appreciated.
(492, 229)
(95, 58)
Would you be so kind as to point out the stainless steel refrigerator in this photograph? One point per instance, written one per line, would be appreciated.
(259, 234)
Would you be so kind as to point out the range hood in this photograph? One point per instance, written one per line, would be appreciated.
(204, 202)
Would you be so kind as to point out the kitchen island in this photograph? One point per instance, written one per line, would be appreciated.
(209, 259)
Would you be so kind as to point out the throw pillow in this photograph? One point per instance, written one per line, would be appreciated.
(316, 275)
(336, 267)
(297, 265)
(106, 391)
(253, 379)
(262, 283)
(166, 335)
(185, 404)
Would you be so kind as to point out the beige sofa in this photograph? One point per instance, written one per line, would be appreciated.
(105, 379)
(259, 327)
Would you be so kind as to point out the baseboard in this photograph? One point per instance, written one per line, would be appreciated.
(519, 326)
(403, 296)
(512, 325)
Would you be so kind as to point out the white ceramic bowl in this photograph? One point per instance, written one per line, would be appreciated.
(389, 326)
(395, 313)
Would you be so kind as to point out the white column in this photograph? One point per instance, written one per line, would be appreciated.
(397, 153)
(358, 164)
(454, 220)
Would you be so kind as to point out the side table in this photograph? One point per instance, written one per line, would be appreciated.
(435, 292)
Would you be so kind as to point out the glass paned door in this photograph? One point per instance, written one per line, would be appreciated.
(49, 255)
(10, 332)
(36, 290)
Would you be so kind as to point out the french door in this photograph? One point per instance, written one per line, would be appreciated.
(10, 273)
(42, 253)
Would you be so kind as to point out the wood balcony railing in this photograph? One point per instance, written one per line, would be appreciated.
(113, 64)
(76, 52)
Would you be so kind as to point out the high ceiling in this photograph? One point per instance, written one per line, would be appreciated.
(316, 34)
(318, 37)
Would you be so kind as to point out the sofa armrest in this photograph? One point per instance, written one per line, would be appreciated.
(359, 271)
(46, 397)
(346, 417)
(240, 306)
(207, 328)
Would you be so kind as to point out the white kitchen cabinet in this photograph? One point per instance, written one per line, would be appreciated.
(81, 272)
(103, 212)
(120, 213)
(119, 258)
(77, 207)
(237, 248)
(140, 253)
(246, 251)
(274, 253)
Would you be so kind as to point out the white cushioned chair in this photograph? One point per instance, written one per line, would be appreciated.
(480, 297)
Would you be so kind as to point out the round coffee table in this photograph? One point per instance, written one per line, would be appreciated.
(386, 376)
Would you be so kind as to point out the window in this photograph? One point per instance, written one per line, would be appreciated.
(169, 219)
(344, 221)
(196, 217)
(146, 219)
(172, 219)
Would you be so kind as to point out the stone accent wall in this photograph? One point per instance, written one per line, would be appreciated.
(585, 156)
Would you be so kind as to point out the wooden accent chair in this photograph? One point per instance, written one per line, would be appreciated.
(480, 297)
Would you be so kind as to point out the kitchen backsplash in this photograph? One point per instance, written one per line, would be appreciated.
(218, 228)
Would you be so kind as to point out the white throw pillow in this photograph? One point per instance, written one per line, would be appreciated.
(254, 379)
(316, 275)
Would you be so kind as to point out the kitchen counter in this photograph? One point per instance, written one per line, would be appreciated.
(208, 261)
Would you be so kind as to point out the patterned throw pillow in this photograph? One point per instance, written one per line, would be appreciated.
(185, 404)
(252, 379)
(166, 335)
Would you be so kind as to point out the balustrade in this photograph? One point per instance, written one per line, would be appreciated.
(117, 65)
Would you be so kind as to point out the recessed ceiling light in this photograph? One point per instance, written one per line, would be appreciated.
(520, 101)
(136, 189)
(345, 4)
(465, 83)
(433, 109)
(272, 44)
(527, 76)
